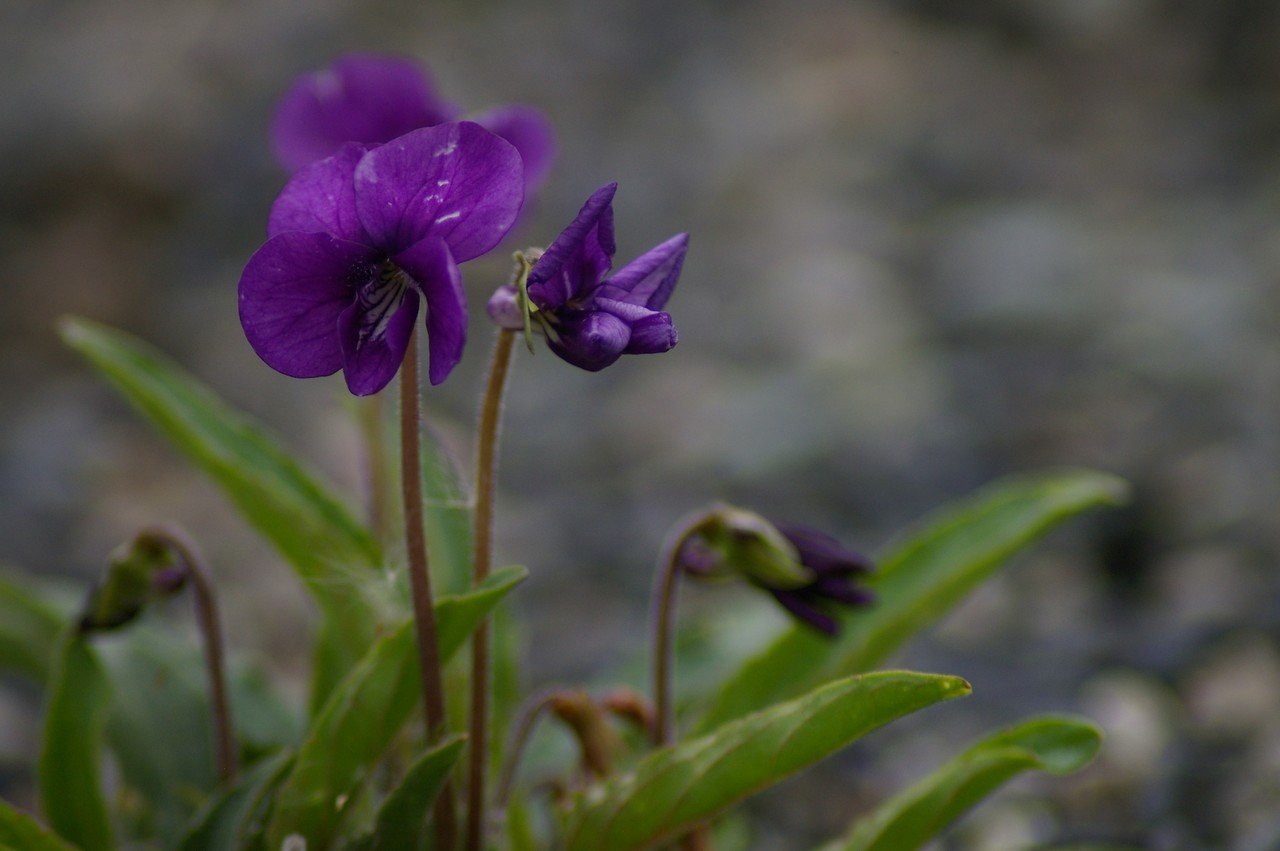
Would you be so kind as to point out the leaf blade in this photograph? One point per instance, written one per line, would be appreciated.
(676, 788)
(21, 831)
(384, 687)
(910, 819)
(69, 771)
(403, 814)
(915, 585)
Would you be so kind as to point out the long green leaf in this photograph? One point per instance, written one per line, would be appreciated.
(76, 714)
(365, 712)
(913, 817)
(915, 586)
(219, 826)
(402, 817)
(676, 788)
(446, 516)
(29, 629)
(286, 503)
(23, 833)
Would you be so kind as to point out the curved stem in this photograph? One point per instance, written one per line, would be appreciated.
(663, 618)
(206, 606)
(424, 617)
(482, 541)
(521, 731)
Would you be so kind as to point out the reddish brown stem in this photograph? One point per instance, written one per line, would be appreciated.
(424, 616)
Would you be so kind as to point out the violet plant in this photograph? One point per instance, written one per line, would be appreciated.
(389, 196)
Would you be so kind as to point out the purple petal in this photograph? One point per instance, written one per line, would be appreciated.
(291, 294)
(532, 135)
(795, 603)
(573, 265)
(431, 265)
(359, 98)
(822, 553)
(652, 331)
(455, 181)
(504, 308)
(591, 341)
(649, 279)
(321, 198)
(842, 589)
(370, 361)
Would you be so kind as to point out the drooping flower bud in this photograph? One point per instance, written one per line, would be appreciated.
(807, 571)
(139, 572)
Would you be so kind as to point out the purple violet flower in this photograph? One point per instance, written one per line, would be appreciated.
(591, 320)
(356, 240)
(807, 571)
(373, 99)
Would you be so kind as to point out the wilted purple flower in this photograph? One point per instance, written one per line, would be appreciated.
(373, 99)
(591, 320)
(805, 570)
(358, 238)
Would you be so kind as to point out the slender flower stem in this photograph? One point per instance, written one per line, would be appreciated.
(424, 616)
(664, 610)
(521, 731)
(663, 618)
(482, 537)
(206, 606)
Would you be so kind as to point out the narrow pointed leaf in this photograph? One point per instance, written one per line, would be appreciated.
(915, 816)
(20, 831)
(402, 818)
(916, 584)
(446, 516)
(676, 788)
(29, 629)
(365, 712)
(70, 769)
(286, 503)
(219, 825)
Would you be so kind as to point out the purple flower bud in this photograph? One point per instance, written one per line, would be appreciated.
(591, 318)
(808, 572)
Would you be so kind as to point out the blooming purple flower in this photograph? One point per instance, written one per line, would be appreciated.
(373, 99)
(591, 320)
(358, 239)
(807, 571)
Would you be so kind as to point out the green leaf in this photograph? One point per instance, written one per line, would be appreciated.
(70, 781)
(20, 831)
(365, 712)
(402, 817)
(915, 586)
(219, 826)
(29, 629)
(676, 788)
(446, 517)
(913, 817)
(286, 503)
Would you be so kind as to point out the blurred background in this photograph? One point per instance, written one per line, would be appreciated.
(933, 243)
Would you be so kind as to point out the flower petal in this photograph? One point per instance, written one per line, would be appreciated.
(321, 198)
(652, 331)
(455, 181)
(823, 554)
(650, 278)
(579, 257)
(291, 293)
(431, 265)
(504, 308)
(370, 363)
(359, 98)
(591, 341)
(532, 135)
(798, 604)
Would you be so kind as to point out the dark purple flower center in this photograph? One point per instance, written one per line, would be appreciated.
(379, 298)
